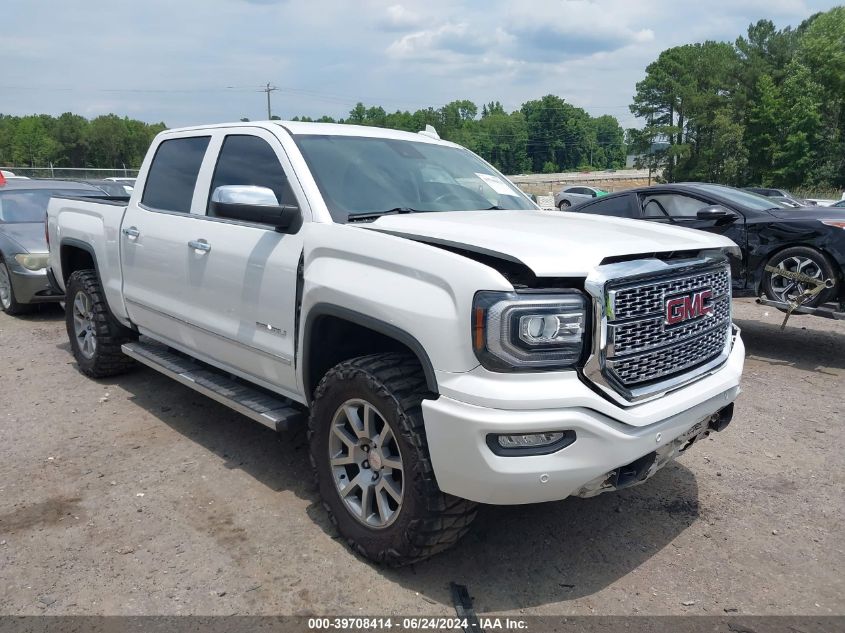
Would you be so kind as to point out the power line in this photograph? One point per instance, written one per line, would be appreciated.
(268, 90)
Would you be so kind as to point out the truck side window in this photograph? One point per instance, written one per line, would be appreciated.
(173, 174)
(249, 160)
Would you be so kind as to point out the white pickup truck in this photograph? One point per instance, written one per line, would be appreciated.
(449, 343)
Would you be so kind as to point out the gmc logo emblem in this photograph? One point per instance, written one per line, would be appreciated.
(680, 309)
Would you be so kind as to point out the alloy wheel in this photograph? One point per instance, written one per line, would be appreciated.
(5, 287)
(83, 325)
(366, 464)
(787, 289)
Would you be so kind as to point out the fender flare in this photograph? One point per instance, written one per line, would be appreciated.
(377, 325)
(84, 246)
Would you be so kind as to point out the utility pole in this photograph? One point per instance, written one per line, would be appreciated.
(268, 89)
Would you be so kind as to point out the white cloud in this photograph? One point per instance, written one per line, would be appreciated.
(399, 18)
(327, 54)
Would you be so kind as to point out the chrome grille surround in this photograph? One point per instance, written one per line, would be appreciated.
(635, 356)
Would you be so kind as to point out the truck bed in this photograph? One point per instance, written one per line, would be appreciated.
(89, 226)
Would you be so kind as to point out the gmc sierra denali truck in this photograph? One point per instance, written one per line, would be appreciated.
(450, 343)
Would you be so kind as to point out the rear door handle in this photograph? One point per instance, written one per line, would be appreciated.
(200, 245)
(132, 233)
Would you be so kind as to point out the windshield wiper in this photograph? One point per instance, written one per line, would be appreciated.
(371, 215)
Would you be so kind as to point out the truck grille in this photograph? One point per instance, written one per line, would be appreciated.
(642, 347)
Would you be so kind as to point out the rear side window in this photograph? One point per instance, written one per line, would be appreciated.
(249, 160)
(616, 206)
(173, 174)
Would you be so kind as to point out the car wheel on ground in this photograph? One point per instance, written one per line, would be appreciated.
(807, 261)
(95, 336)
(8, 303)
(371, 462)
(564, 204)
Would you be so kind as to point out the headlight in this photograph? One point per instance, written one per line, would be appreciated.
(513, 331)
(33, 261)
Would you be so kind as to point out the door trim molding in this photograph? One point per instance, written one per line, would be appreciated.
(286, 360)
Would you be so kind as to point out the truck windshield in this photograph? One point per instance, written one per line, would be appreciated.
(366, 175)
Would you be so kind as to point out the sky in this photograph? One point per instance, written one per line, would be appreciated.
(188, 62)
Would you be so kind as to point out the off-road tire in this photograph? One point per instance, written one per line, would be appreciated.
(429, 520)
(827, 267)
(108, 359)
(14, 308)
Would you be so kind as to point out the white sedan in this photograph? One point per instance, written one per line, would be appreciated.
(570, 196)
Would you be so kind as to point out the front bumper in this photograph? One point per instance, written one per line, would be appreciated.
(32, 286)
(466, 467)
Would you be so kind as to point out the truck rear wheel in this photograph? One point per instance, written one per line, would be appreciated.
(95, 336)
(371, 462)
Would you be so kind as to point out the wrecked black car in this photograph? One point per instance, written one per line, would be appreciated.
(783, 249)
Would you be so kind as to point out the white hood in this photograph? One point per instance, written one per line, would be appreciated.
(551, 244)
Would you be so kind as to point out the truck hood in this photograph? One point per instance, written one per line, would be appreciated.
(28, 235)
(551, 244)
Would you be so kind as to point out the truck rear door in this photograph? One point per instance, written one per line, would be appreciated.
(154, 255)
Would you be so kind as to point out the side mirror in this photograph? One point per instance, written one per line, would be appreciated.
(716, 212)
(253, 204)
(593, 194)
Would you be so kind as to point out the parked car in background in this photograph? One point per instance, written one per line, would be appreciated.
(809, 241)
(781, 195)
(125, 181)
(23, 245)
(112, 188)
(570, 196)
(821, 202)
(6, 174)
(839, 205)
(788, 203)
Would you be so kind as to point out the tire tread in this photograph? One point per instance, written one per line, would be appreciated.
(399, 377)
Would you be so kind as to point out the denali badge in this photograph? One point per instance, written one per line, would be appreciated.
(679, 309)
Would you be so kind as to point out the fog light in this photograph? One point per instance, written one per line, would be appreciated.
(530, 443)
(530, 440)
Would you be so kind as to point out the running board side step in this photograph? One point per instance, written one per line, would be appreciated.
(276, 412)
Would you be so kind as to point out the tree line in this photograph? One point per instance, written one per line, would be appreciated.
(71, 140)
(768, 109)
(544, 135)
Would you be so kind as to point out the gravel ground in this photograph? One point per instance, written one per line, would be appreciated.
(136, 496)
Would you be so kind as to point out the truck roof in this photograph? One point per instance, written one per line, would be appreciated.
(330, 129)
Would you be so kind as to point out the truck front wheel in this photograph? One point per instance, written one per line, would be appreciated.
(371, 462)
(95, 336)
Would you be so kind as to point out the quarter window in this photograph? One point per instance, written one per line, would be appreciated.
(173, 174)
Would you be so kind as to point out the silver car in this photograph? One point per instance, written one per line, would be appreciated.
(570, 196)
(23, 245)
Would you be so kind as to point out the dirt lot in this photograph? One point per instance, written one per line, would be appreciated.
(136, 496)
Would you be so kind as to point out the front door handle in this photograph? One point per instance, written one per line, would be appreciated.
(132, 233)
(200, 245)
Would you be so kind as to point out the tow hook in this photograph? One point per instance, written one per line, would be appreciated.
(719, 421)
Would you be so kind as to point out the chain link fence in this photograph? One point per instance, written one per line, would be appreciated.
(72, 173)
